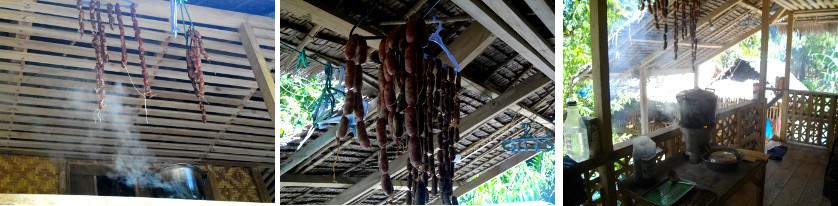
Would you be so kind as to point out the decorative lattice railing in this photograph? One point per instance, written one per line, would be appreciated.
(811, 118)
(736, 126)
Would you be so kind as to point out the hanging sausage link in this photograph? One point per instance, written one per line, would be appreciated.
(81, 18)
(146, 84)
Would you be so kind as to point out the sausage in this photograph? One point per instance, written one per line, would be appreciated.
(383, 162)
(382, 49)
(350, 49)
(361, 129)
(414, 151)
(349, 75)
(410, 121)
(386, 184)
(343, 126)
(349, 103)
(392, 122)
(410, 33)
(399, 125)
(361, 53)
(410, 58)
(392, 65)
(411, 89)
(359, 84)
(381, 131)
(359, 106)
(389, 97)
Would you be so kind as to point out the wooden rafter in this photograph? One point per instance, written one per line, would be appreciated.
(293, 180)
(486, 17)
(260, 68)
(329, 19)
(506, 11)
(544, 12)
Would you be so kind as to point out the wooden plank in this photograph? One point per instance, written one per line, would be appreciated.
(261, 189)
(486, 17)
(260, 69)
(602, 105)
(316, 181)
(502, 102)
(489, 174)
(506, 11)
(469, 45)
(329, 19)
(356, 190)
(199, 14)
(644, 102)
(544, 12)
(786, 4)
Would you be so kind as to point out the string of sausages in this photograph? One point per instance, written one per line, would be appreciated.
(194, 72)
(97, 44)
(122, 36)
(683, 26)
(146, 84)
(416, 104)
(81, 18)
(356, 54)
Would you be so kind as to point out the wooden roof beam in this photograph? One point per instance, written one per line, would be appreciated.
(486, 17)
(751, 32)
(468, 124)
(506, 11)
(331, 20)
(260, 68)
(294, 180)
(545, 13)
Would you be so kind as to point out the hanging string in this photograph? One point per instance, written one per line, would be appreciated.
(429, 9)
(369, 11)
(303, 61)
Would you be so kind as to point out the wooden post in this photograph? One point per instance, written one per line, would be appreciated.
(644, 101)
(784, 107)
(261, 189)
(260, 68)
(763, 66)
(602, 104)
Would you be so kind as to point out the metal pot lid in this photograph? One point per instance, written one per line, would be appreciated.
(696, 94)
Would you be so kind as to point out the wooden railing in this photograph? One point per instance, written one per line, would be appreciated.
(811, 117)
(736, 126)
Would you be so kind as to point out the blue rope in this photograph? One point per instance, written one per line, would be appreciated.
(362, 18)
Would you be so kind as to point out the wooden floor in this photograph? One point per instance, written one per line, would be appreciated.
(798, 178)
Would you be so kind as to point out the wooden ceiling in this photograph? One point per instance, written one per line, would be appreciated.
(47, 102)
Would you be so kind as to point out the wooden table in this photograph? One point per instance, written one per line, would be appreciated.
(724, 184)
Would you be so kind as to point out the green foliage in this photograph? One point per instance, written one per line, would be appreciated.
(532, 181)
(295, 97)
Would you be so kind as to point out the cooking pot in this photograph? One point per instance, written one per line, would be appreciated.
(697, 108)
(179, 181)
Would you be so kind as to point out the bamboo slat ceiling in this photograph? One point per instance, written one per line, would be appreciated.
(495, 70)
(46, 86)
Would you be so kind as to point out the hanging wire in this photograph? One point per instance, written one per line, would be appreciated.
(429, 9)
(369, 11)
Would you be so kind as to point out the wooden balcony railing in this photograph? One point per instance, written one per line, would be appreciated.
(811, 118)
(736, 126)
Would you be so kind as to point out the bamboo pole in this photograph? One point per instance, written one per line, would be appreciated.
(784, 109)
(763, 65)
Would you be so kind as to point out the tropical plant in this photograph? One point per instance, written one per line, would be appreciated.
(295, 97)
(532, 181)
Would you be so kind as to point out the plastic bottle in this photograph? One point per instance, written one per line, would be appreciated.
(643, 152)
(575, 135)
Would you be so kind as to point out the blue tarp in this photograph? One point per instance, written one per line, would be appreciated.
(769, 132)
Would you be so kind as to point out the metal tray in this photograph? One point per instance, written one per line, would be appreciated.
(673, 193)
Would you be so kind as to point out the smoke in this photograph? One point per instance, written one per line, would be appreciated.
(132, 159)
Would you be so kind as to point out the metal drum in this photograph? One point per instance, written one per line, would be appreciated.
(179, 181)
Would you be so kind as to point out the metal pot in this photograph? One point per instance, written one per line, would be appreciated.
(723, 165)
(697, 108)
(179, 181)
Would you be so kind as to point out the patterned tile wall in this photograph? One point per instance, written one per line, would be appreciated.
(30, 175)
(235, 184)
